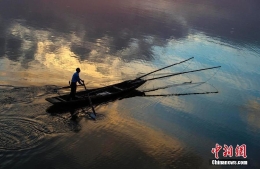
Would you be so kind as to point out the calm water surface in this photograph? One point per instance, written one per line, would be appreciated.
(42, 42)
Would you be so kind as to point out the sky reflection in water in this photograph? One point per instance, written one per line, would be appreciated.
(43, 42)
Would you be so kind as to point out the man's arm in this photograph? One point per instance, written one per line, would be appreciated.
(80, 81)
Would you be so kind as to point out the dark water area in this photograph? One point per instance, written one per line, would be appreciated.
(42, 42)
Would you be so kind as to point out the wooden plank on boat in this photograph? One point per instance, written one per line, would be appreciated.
(117, 88)
(104, 93)
(53, 100)
(60, 99)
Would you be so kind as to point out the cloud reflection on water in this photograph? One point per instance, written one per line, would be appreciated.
(250, 113)
(127, 30)
(111, 40)
(168, 150)
(92, 21)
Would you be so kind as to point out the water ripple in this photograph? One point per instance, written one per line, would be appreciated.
(10, 95)
(21, 133)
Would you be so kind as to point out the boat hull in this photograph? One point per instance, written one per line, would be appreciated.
(98, 95)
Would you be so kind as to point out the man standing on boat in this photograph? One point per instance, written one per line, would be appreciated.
(73, 85)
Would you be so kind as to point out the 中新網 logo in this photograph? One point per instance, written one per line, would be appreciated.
(240, 150)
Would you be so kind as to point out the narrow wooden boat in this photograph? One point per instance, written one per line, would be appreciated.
(98, 95)
(103, 94)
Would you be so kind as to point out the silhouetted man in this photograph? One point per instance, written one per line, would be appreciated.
(73, 85)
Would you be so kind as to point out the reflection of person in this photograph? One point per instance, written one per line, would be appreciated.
(73, 85)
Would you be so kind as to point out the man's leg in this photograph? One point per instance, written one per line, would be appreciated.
(73, 90)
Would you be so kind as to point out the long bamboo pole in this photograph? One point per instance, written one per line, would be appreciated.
(177, 94)
(175, 74)
(164, 68)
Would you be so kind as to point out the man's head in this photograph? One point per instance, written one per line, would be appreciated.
(78, 70)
